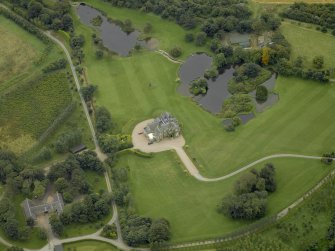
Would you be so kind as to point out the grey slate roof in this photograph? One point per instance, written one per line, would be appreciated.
(34, 208)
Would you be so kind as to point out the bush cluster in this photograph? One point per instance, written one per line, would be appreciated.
(250, 197)
(56, 65)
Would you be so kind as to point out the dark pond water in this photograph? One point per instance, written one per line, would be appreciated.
(195, 67)
(270, 83)
(111, 34)
(272, 98)
(246, 117)
(217, 92)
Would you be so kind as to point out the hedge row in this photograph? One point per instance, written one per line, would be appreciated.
(25, 25)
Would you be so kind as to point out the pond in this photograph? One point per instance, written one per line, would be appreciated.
(246, 117)
(217, 92)
(272, 98)
(113, 37)
(195, 67)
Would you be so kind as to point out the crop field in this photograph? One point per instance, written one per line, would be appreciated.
(89, 246)
(30, 100)
(16, 54)
(33, 106)
(162, 188)
(22, 55)
(317, 44)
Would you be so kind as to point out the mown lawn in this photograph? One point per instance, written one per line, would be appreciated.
(162, 188)
(89, 246)
(308, 43)
(298, 123)
(144, 85)
(168, 33)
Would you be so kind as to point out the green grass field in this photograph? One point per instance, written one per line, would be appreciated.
(33, 106)
(96, 181)
(22, 55)
(299, 123)
(74, 230)
(168, 33)
(308, 43)
(162, 188)
(2, 247)
(89, 246)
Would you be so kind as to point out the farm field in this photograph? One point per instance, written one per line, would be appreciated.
(318, 43)
(89, 246)
(33, 107)
(22, 55)
(162, 188)
(34, 99)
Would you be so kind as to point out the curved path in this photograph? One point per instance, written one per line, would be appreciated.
(140, 142)
(168, 57)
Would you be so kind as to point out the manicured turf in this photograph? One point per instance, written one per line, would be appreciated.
(299, 123)
(89, 246)
(309, 43)
(162, 188)
(168, 33)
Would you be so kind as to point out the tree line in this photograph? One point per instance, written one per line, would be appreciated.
(24, 24)
(319, 14)
(55, 16)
